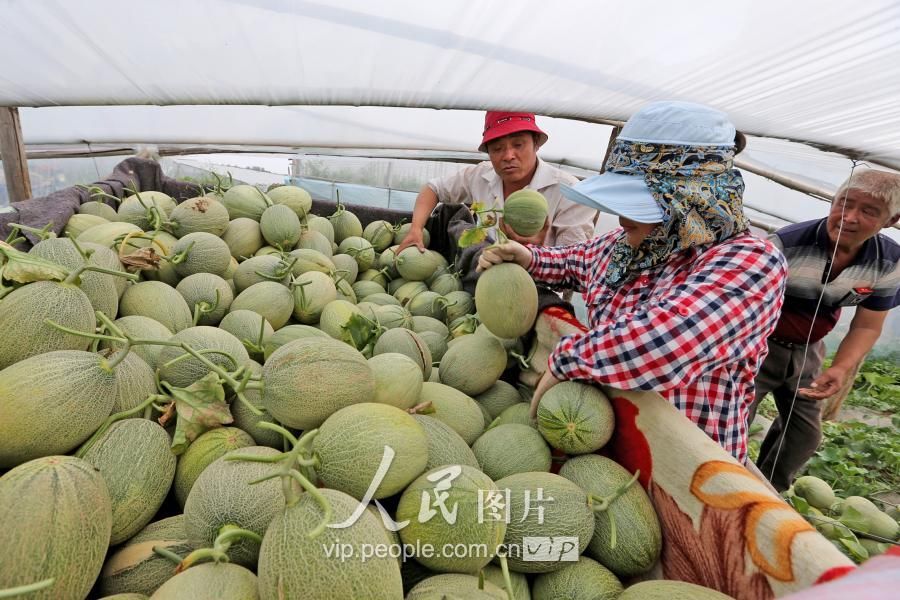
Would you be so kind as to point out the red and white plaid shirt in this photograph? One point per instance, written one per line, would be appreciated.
(693, 329)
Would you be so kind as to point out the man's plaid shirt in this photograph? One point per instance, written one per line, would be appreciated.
(693, 329)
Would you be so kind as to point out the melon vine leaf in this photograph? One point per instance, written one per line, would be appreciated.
(476, 235)
(199, 407)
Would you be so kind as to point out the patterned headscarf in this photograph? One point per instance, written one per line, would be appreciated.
(698, 191)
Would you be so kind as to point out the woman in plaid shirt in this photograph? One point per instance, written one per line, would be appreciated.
(682, 298)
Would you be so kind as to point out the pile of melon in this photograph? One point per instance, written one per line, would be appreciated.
(232, 397)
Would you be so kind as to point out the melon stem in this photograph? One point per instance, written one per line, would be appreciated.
(180, 257)
(167, 554)
(602, 504)
(27, 589)
(74, 275)
(318, 497)
(507, 580)
(109, 422)
(43, 233)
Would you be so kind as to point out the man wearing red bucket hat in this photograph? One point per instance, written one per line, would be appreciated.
(511, 140)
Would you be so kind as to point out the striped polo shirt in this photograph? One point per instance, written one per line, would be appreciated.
(872, 280)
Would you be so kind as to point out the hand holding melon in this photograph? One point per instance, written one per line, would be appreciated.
(506, 252)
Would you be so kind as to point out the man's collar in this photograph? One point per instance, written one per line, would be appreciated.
(543, 176)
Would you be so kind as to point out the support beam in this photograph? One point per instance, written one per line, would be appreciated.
(12, 153)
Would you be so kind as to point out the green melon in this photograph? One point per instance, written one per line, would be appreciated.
(230, 354)
(866, 517)
(272, 300)
(575, 417)
(245, 202)
(144, 328)
(525, 211)
(294, 197)
(386, 262)
(352, 443)
(498, 398)
(204, 253)
(459, 305)
(162, 244)
(815, 491)
(243, 237)
(639, 538)
(460, 519)
(208, 447)
(445, 283)
(428, 304)
(360, 249)
(322, 225)
(108, 235)
(437, 345)
(293, 564)
(210, 581)
(402, 231)
(520, 586)
(485, 414)
(473, 364)
(414, 265)
(314, 240)
(392, 316)
(567, 515)
(223, 495)
(51, 403)
(404, 341)
(510, 449)
(125, 597)
(344, 290)
(455, 586)
(135, 382)
(280, 226)
(98, 209)
(250, 422)
(335, 319)
(380, 234)
(134, 458)
(245, 325)
(199, 214)
(313, 291)
(345, 224)
(398, 282)
(260, 268)
(445, 446)
(518, 413)
(79, 223)
(345, 266)
(23, 312)
(398, 380)
(290, 333)
(663, 589)
(309, 379)
(585, 579)
(421, 324)
(382, 299)
(145, 209)
(507, 301)
(54, 523)
(100, 288)
(136, 568)
(364, 288)
(304, 260)
(408, 290)
(157, 301)
(455, 409)
(209, 289)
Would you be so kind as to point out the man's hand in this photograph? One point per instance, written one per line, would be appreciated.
(415, 237)
(505, 252)
(536, 239)
(825, 385)
(548, 380)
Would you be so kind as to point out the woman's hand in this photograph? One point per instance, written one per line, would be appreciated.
(505, 252)
(548, 380)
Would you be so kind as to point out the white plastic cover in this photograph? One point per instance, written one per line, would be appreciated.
(821, 72)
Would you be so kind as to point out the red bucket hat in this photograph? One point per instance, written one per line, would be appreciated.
(498, 124)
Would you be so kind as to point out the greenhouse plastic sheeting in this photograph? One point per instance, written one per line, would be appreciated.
(822, 72)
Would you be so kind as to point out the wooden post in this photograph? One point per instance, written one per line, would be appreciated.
(12, 153)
